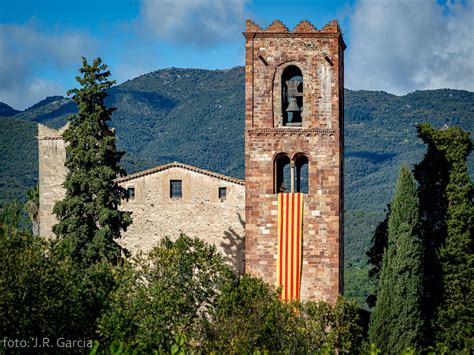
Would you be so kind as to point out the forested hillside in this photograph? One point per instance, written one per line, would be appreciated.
(197, 117)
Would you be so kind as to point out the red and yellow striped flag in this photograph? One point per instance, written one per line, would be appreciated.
(290, 225)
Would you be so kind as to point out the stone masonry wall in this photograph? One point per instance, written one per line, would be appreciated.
(319, 56)
(52, 173)
(200, 213)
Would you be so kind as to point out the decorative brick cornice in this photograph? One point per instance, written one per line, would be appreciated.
(301, 132)
(250, 35)
(46, 133)
(51, 138)
(181, 166)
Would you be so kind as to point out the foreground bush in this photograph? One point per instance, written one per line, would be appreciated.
(180, 297)
(43, 295)
(249, 316)
(184, 290)
(164, 294)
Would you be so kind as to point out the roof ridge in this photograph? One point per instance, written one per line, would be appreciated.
(176, 164)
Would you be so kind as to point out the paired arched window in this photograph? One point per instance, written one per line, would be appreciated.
(291, 176)
(292, 96)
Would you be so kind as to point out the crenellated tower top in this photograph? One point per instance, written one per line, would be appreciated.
(303, 28)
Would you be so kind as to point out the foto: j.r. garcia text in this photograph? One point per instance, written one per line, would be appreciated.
(45, 343)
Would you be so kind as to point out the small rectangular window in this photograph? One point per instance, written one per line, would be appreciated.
(222, 193)
(130, 193)
(176, 189)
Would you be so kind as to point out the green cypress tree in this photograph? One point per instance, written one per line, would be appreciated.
(89, 219)
(432, 174)
(455, 317)
(396, 320)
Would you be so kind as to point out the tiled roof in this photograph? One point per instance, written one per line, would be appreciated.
(182, 166)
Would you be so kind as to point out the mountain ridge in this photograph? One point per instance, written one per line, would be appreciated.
(7, 111)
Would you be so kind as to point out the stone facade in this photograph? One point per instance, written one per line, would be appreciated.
(52, 173)
(318, 54)
(198, 213)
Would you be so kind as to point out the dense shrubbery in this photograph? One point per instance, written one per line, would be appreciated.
(43, 294)
(164, 294)
(180, 296)
(248, 316)
(180, 290)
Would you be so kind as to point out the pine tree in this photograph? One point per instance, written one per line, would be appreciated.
(396, 320)
(89, 219)
(455, 317)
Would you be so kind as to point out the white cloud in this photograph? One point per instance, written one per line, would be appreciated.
(31, 92)
(401, 46)
(26, 52)
(132, 59)
(200, 22)
(128, 70)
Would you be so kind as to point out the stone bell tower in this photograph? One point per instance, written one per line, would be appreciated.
(294, 139)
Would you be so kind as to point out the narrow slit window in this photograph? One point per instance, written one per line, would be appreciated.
(176, 189)
(222, 193)
(130, 193)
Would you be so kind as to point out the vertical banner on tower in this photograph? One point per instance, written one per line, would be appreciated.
(290, 227)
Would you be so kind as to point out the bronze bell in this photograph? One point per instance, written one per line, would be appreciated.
(292, 105)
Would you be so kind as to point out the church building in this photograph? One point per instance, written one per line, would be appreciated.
(284, 223)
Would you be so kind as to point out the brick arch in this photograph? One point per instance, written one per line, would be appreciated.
(307, 154)
(276, 92)
(280, 154)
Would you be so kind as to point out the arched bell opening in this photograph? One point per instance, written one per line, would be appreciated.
(301, 173)
(282, 169)
(292, 96)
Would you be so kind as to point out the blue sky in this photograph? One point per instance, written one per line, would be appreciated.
(393, 45)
